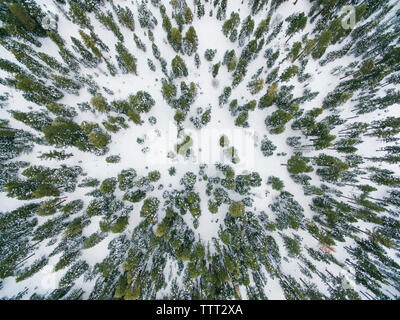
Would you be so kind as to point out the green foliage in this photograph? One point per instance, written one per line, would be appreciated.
(289, 212)
(255, 86)
(179, 68)
(175, 39)
(99, 139)
(113, 159)
(126, 179)
(154, 176)
(262, 28)
(108, 21)
(35, 267)
(292, 245)
(224, 141)
(267, 147)
(298, 164)
(137, 262)
(225, 237)
(188, 15)
(277, 120)
(276, 183)
(236, 209)
(79, 16)
(190, 41)
(297, 22)
(77, 270)
(322, 44)
(189, 180)
(150, 207)
(61, 110)
(119, 225)
(215, 69)
(209, 54)
(126, 61)
(100, 103)
(135, 196)
(289, 73)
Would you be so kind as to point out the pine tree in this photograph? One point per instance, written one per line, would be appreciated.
(298, 164)
(175, 39)
(277, 120)
(297, 22)
(209, 54)
(149, 207)
(190, 42)
(24, 17)
(91, 43)
(188, 16)
(67, 84)
(100, 103)
(34, 119)
(237, 209)
(231, 24)
(179, 68)
(62, 132)
(99, 139)
(108, 21)
(146, 18)
(126, 61)
(126, 18)
(108, 185)
(13, 142)
(246, 30)
(139, 44)
(322, 44)
(52, 63)
(46, 190)
(256, 86)
(289, 73)
(79, 16)
(215, 69)
(166, 24)
(87, 58)
(262, 28)
(332, 168)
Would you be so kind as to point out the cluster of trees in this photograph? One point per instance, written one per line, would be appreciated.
(325, 160)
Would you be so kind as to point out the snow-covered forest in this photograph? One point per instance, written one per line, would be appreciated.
(199, 149)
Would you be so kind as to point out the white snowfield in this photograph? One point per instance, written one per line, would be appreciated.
(158, 152)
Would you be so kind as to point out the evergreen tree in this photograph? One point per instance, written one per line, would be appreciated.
(237, 208)
(179, 68)
(79, 16)
(126, 61)
(262, 28)
(322, 44)
(297, 22)
(277, 120)
(298, 164)
(100, 103)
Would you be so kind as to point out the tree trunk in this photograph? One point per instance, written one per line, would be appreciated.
(24, 260)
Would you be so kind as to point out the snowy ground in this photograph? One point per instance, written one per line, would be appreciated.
(161, 137)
